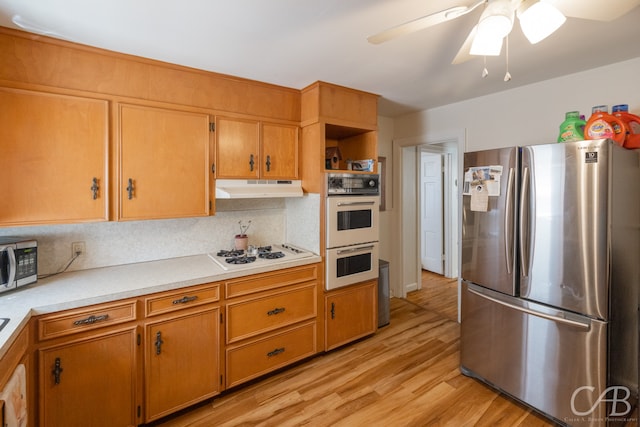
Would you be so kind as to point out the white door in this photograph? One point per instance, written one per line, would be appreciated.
(431, 221)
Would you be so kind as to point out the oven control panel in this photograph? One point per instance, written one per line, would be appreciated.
(352, 184)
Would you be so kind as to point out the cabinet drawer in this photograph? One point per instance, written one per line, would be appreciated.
(86, 319)
(251, 317)
(259, 357)
(184, 298)
(276, 279)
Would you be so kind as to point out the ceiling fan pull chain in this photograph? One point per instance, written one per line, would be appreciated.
(485, 72)
(507, 76)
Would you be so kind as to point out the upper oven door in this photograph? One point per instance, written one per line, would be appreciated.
(352, 220)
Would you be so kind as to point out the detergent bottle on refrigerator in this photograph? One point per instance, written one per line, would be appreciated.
(572, 129)
(601, 125)
(632, 123)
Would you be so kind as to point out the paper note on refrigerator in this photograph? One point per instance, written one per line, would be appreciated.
(479, 198)
(487, 176)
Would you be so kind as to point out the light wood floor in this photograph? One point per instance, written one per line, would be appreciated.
(405, 375)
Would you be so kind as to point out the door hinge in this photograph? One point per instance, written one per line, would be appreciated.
(139, 411)
(139, 339)
(210, 205)
(213, 168)
(212, 127)
(221, 318)
(221, 379)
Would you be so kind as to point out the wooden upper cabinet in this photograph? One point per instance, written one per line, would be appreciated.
(340, 105)
(237, 148)
(164, 163)
(53, 158)
(250, 149)
(279, 151)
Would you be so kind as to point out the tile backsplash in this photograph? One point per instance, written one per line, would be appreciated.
(115, 243)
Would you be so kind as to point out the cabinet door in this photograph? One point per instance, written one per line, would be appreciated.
(182, 362)
(164, 167)
(351, 313)
(279, 151)
(53, 154)
(237, 148)
(90, 382)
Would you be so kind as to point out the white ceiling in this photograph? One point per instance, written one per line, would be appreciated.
(293, 43)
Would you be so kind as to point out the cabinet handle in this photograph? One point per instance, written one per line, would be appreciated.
(57, 370)
(91, 320)
(159, 343)
(275, 311)
(275, 352)
(333, 310)
(94, 188)
(251, 162)
(184, 300)
(268, 163)
(130, 189)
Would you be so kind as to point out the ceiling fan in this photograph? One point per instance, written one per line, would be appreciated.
(538, 19)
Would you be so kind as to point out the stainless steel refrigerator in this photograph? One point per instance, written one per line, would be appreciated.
(550, 273)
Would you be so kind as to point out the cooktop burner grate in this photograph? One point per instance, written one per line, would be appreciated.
(270, 255)
(240, 260)
(231, 253)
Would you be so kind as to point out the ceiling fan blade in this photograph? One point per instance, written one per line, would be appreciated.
(464, 54)
(422, 23)
(594, 9)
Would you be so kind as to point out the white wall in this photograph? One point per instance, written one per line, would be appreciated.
(520, 116)
(530, 114)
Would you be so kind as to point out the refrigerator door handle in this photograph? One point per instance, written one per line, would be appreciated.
(557, 319)
(508, 222)
(525, 205)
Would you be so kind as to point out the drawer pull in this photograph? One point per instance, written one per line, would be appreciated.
(275, 311)
(57, 370)
(275, 352)
(91, 320)
(159, 343)
(184, 300)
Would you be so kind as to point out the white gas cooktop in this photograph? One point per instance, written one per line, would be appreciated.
(266, 255)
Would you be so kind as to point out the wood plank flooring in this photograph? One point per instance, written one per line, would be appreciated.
(405, 375)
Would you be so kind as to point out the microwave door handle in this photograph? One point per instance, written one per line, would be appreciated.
(12, 266)
(371, 202)
(352, 250)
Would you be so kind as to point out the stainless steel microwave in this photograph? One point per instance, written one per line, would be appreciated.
(18, 262)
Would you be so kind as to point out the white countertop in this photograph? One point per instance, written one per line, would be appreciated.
(86, 287)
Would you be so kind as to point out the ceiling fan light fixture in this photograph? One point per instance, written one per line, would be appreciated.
(495, 23)
(486, 45)
(496, 20)
(539, 20)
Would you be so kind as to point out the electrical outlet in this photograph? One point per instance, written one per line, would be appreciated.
(77, 248)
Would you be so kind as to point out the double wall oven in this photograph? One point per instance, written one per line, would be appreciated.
(352, 229)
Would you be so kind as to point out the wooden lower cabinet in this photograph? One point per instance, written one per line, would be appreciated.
(181, 361)
(257, 357)
(350, 313)
(271, 322)
(90, 381)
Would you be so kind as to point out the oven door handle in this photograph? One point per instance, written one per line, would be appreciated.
(371, 202)
(352, 250)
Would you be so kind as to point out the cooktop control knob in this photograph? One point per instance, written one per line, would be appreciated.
(372, 183)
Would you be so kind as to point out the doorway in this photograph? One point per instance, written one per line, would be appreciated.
(449, 146)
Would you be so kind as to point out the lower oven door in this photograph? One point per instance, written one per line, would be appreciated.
(351, 264)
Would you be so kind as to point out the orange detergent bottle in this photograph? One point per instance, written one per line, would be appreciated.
(601, 124)
(632, 122)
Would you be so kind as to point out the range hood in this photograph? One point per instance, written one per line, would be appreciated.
(257, 188)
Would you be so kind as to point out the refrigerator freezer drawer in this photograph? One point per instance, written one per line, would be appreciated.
(542, 356)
